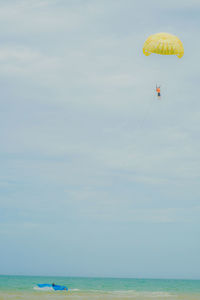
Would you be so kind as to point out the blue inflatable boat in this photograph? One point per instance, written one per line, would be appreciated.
(55, 287)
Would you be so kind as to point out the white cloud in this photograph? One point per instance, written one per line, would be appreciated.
(113, 213)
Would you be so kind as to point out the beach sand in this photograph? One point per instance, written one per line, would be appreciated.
(96, 296)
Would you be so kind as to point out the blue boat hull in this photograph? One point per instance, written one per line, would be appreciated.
(55, 287)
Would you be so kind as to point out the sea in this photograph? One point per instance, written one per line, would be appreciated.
(25, 287)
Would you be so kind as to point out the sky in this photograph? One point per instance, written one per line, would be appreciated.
(98, 177)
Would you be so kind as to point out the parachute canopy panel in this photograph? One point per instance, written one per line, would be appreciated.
(164, 44)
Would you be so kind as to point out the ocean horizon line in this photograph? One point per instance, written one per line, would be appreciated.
(103, 277)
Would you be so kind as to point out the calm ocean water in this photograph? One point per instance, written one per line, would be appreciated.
(22, 287)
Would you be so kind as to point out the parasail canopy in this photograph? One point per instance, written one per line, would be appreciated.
(164, 44)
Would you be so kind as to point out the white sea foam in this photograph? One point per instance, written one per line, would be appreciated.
(44, 289)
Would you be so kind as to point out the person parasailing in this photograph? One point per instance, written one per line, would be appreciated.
(163, 43)
(158, 91)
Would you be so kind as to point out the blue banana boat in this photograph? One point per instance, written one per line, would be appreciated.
(53, 286)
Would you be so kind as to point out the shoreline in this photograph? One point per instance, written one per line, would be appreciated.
(85, 295)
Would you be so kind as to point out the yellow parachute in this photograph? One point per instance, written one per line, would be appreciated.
(164, 44)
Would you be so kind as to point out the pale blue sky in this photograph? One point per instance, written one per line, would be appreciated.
(98, 178)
